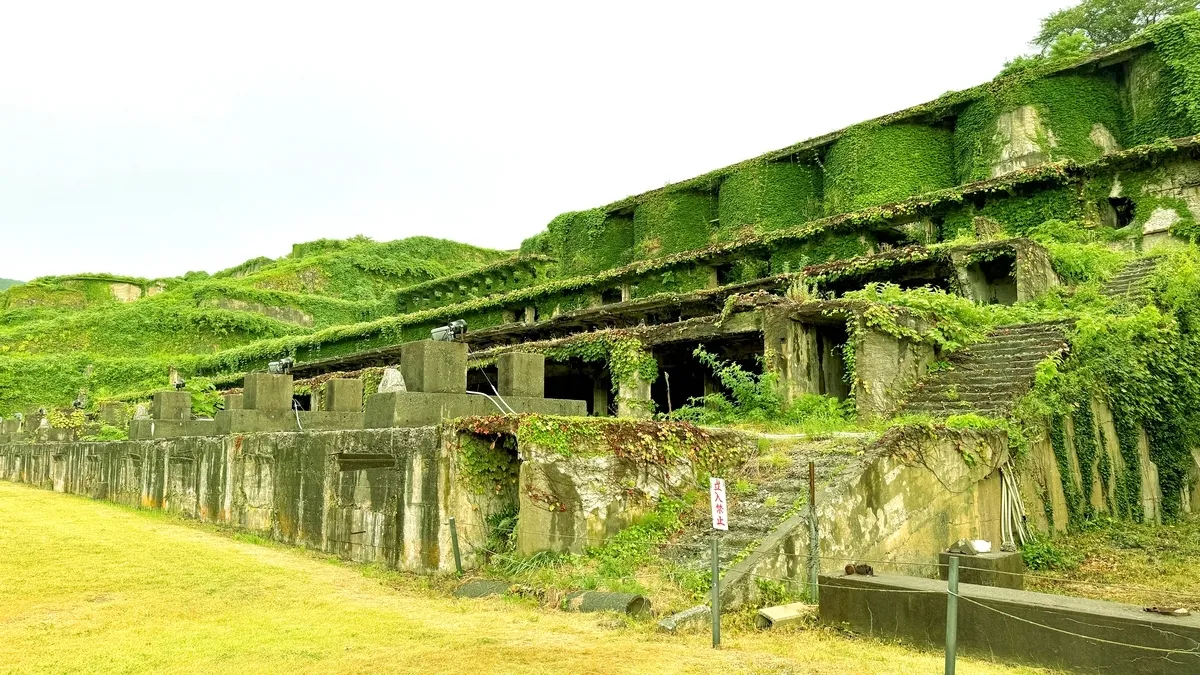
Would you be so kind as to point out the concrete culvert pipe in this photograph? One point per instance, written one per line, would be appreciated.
(604, 601)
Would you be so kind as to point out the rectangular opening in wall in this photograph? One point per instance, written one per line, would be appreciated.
(580, 380)
(993, 281)
(302, 402)
(683, 378)
(724, 274)
(481, 380)
(826, 363)
(610, 296)
(1117, 212)
(931, 273)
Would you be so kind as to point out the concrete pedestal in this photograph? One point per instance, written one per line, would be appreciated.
(266, 391)
(171, 405)
(434, 367)
(521, 375)
(343, 395)
(1004, 569)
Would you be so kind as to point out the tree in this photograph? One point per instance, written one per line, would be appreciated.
(1096, 24)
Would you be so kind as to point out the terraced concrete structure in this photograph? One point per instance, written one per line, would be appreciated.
(765, 264)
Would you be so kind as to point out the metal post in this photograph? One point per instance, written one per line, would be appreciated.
(454, 545)
(814, 542)
(716, 595)
(952, 615)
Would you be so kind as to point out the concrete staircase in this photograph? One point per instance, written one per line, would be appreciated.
(775, 488)
(1130, 282)
(989, 377)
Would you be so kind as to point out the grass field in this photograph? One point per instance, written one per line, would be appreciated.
(92, 587)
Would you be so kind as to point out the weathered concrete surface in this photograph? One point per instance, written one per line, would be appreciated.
(286, 314)
(142, 430)
(521, 374)
(1005, 569)
(415, 408)
(1019, 138)
(267, 391)
(434, 367)
(916, 495)
(873, 606)
(381, 495)
(343, 395)
(244, 421)
(569, 503)
(887, 367)
(171, 405)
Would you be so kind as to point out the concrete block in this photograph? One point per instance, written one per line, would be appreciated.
(521, 374)
(1005, 569)
(434, 367)
(782, 615)
(266, 391)
(113, 413)
(171, 405)
(418, 409)
(343, 395)
(234, 401)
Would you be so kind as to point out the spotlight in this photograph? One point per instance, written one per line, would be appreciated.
(450, 332)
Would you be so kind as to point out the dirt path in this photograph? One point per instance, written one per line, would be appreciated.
(91, 587)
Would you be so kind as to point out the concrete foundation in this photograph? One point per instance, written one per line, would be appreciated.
(171, 405)
(412, 408)
(914, 609)
(266, 421)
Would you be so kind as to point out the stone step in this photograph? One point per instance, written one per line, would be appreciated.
(983, 377)
(1040, 327)
(1012, 346)
(934, 389)
(999, 361)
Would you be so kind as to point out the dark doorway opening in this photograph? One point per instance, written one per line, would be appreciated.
(994, 281)
(302, 402)
(580, 380)
(682, 378)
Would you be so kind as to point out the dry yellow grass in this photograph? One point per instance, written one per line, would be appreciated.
(91, 587)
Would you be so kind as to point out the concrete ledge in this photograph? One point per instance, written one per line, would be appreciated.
(265, 421)
(872, 606)
(144, 430)
(416, 408)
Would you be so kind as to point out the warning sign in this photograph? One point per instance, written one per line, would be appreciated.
(720, 508)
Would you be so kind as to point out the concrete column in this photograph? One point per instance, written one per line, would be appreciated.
(343, 395)
(599, 398)
(172, 405)
(633, 399)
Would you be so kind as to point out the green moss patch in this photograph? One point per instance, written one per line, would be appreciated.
(769, 195)
(674, 222)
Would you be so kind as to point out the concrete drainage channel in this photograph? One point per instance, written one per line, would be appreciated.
(630, 604)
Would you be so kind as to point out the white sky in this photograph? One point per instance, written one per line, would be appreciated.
(155, 138)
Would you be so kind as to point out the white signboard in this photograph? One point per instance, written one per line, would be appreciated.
(720, 508)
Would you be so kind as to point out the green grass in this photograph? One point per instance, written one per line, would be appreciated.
(1125, 562)
(92, 587)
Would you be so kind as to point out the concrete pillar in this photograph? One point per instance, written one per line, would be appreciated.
(599, 398)
(267, 391)
(233, 401)
(521, 374)
(172, 405)
(343, 395)
(434, 367)
(633, 399)
(113, 414)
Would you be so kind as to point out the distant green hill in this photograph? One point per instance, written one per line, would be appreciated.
(115, 334)
(5, 283)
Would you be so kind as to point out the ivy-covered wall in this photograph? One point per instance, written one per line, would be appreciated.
(769, 195)
(671, 222)
(1068, 107)
(1017, 214)
(591, 241)
(872, 165)
(1164, 85)
(792, 256)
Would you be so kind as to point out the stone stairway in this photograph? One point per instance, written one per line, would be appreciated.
(988, 378)
(1130, 282)
(773, 486)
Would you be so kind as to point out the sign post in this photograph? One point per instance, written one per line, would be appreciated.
(720, 520)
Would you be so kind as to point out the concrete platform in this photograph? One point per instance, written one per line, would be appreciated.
(144, 430)
(876, 606)
(418, 409)
(1005, 569)
(265, 421)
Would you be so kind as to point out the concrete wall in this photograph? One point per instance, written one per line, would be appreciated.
(915, 496)
(915, 610)
(1040, 479)
(377, 495)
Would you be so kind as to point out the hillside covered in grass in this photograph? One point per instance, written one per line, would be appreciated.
(111, 334)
